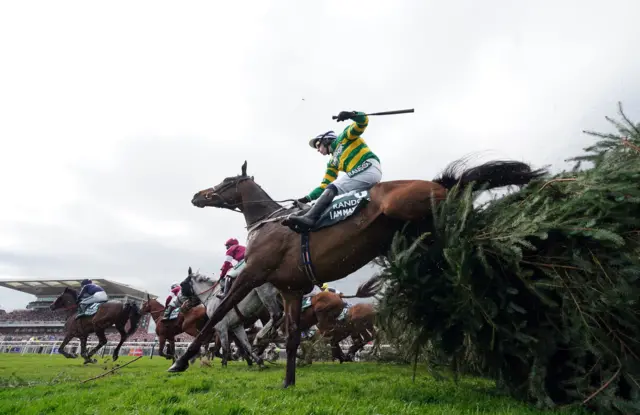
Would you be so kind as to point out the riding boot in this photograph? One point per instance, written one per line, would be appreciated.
(223, 291)
(167, 312)
(310, 218)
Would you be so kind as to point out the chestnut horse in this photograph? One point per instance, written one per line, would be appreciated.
(190, 321)
(324, 311)
(108, 314)
(357, 324)
(279, 255)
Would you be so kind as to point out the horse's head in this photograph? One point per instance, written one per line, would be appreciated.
(196, 284)
(224, 195)
(66, 299)
(186, 289)
(146, 306)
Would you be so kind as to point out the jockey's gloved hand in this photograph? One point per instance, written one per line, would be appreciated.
(304, 199)
(345, 115)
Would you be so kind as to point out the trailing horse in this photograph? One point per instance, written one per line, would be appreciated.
(190, 322)
(250, 308)
(108, 314)
(336, 320)
(295, 262)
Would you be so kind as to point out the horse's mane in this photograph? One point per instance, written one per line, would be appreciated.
(71, 291)
(197, 277)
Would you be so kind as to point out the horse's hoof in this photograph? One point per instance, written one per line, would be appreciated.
(286, 384)
(115, 357)
(178, 366)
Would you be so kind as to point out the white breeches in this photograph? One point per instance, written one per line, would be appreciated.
(98, 297)
(364, 180)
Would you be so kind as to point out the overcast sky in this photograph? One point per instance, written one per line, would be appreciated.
(113, 115)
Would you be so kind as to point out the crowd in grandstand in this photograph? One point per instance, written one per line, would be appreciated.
(56, 334)
(32, 315)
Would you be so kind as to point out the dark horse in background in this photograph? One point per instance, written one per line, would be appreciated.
(275, 251)
(108, 314)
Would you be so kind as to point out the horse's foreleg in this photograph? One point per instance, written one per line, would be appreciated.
(358, 343)
(83, 350)
(245, 282)
(64, 343)
(162, 341)
(294, 306)
(242, 338)
(336, 351)
(172, 353)
(102, 340)
(225, 344)
(276, 314)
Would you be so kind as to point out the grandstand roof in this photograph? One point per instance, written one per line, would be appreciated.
(55, 287)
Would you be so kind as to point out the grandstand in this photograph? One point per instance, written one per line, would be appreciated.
(39, 322)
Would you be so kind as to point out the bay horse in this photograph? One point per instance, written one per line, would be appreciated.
(295, 262)
(109, 313)
(190, 321)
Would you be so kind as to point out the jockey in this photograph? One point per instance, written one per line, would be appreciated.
(349, 154)
(90, 293)
(235, 252)
(175, 290)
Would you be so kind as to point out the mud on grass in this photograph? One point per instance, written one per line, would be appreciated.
(36, 384)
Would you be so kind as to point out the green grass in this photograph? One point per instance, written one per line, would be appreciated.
(34, 384)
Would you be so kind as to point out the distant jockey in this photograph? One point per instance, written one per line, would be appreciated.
(348, 153)
(325, 287)
(90, 294)
(235, 252)
(175, 290)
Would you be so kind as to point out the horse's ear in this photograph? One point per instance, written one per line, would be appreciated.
(244, 168)
(148, 298)
(190, 272)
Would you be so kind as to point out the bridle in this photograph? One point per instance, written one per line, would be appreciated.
(215, 192)
(209, 290)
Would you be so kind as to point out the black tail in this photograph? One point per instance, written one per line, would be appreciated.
(492, 174)
(134, 316)
(368, 288)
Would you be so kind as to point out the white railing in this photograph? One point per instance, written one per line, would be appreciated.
(128, 348)
(31, 323)
(51, 347)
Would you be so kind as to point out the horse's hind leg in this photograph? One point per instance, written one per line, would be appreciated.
(102, 340)
(162, 342)
(123, 337)
(172, 344)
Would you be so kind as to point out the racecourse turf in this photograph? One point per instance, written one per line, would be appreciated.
(41, 384)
